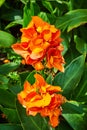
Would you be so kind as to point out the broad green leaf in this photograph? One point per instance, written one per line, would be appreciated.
(71, 54)
(30, 9)
(30, 122)
(6, 68)
(74, 114)
(63, 125)
(76, 121)
(3, 82)
(27, 15)
(65, 42)
(7, 98)
(81, 90)
(1, 2)
(47, 5)
(43, 15)
(82, 98)
(51, 18)
(11, 114)
(72, 107)
(71, 77)
(49, 79)
(23, 76)
(10, 127)
(30, 77)
(81, 45)
(6, 39)
(72, 19)
(15, 88)
(14, 23)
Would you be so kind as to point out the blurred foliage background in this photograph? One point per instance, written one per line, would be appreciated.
(70, 16)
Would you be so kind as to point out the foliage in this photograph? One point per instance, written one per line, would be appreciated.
(70, 16)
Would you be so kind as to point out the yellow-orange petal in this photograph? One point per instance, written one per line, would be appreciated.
(31, 24)
(53, 89)
(47, 36)
(45, 101)
(38, 21)
(38, 66)
(21, 97)
(53, 29)
(37, 53)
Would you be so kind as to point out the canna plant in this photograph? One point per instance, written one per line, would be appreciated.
(43, 65)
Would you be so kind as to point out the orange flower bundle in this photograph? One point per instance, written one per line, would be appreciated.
(42, 98)
(40, 45)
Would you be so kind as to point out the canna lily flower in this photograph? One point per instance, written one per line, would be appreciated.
(38, 40)
(54, 59)
(42, 98)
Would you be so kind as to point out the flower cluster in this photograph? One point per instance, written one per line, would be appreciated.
(40, 45)
(42, 98)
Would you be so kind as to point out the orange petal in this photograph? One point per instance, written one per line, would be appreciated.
(40, 80)
(54, 121)
(19, 50)
(38, 66)
(45, 101)
(53, 29)
(37, 53)
(38, 21)
(27, 86)
(59, 66)
(53, 89)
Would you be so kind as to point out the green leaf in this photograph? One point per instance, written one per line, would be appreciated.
(74, 114)
(6, 68)
(81, 45)
(72, 107)
(14, 23)
(10, 127)
(11, 114)
(1, 2)
(76, 121)
(15, 88)
(66, 40)
(47, 5)
(7, 98)
(30, 77)
(43, 15)
(6, 39)
(30, 9)
(72, 19)
(49, 79)
(71, 77)
(3, 82)
(23, 76)
(30, 122)
(81, 90)
(63, 125)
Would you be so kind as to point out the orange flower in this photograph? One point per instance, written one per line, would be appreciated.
(36, 41)
(42, 98)
(54, 59)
